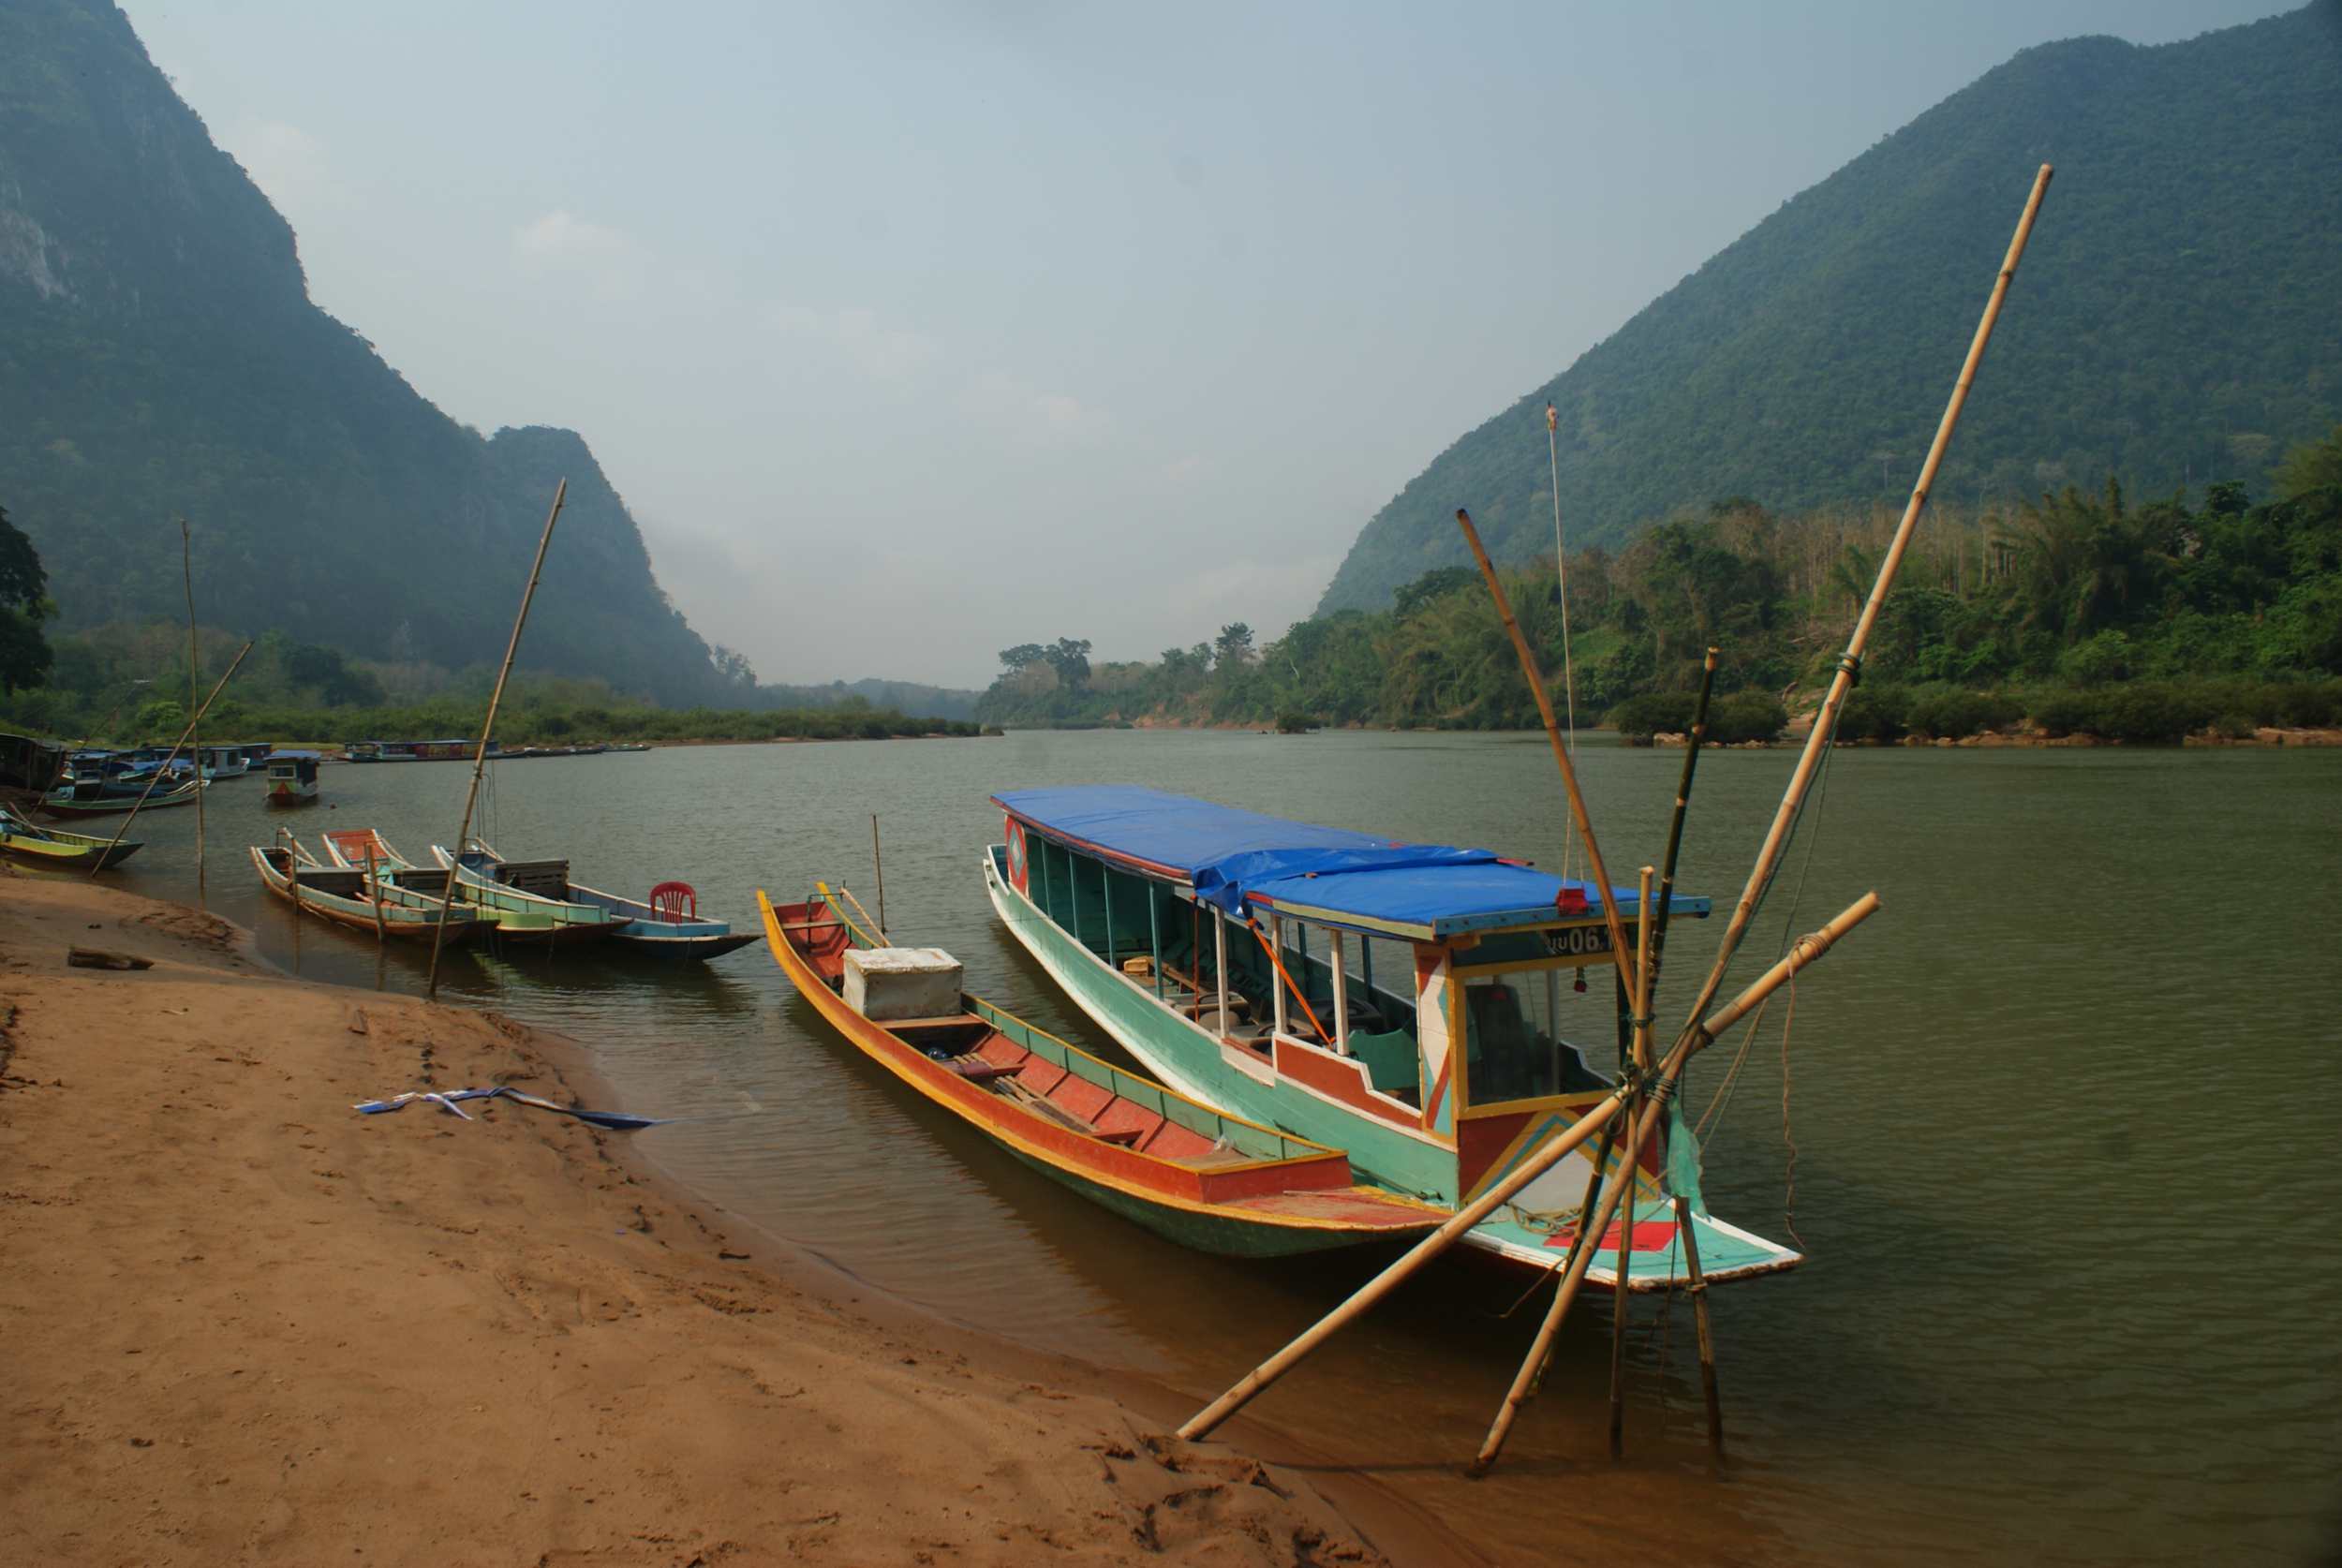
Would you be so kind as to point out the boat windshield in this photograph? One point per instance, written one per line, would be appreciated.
(1514, 1045)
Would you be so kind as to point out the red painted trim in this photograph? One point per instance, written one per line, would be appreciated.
(1170, 873)
(1339, 1078)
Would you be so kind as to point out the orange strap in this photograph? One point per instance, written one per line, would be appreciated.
(1270, 948)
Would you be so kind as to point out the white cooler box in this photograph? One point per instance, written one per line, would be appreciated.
(886, 983)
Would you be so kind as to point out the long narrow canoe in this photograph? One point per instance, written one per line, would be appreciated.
(1192, 1174)
(64, 802)
(371, 856)
(68, 852)
(343, 897)
(649, 932)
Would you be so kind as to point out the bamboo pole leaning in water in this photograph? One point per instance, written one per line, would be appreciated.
(374, 885)
(487, 730)
(1699, 1292)
(186, 569)
(1697, 1038)
(1850, 664)
(217, 687)
(1802, 952)
(1561, 752)
(1623, 1267)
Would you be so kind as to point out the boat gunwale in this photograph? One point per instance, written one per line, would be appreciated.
(963, 1096)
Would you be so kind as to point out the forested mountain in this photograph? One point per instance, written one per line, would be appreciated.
(159, 357)
(2178, 317)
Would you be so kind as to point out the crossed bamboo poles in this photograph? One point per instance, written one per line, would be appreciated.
(1639, 1102)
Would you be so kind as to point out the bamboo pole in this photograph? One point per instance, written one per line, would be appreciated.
(1802, 952)
(374, 885)
(1683, 1229)
(1684, 800)
(1622, 1184)
(216, 689)
(186, 568)
(1561, 752)
(488, 728)
(1624, 1265)
(1826, 720)
(878, 870)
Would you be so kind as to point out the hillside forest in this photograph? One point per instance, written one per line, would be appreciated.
(2082, 612)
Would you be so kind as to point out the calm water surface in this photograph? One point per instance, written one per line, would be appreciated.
(2062, 1118)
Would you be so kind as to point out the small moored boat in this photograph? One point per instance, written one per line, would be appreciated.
(93, 797)
(1195, 1174)
(518, 916)
(346, 898)
(665, 926)
(68, 852)
(292, 778)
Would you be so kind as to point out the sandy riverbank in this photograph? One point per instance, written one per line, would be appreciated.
(240, 1322)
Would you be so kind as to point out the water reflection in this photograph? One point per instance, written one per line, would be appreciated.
(1997, 1092)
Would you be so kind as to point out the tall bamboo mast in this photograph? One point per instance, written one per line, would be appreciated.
(1561, 753)
(1850, 662)
(1556, 1149)
(186, 569)
(1684, 800)
(488, 728)
(217, 687)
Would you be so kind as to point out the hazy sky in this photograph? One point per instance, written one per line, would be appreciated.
(914, 331)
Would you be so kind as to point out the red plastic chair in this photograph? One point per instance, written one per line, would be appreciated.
(675, 902)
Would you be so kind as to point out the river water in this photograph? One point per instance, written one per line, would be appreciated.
(2062, 1118)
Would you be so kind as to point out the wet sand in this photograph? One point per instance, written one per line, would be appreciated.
(240, 1322)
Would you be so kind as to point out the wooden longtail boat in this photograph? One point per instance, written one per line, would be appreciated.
(517, 916)
(1184, 929)
(75, 800)
(1197, 1175)
(345, 898)
(68, 852)
(667, 926)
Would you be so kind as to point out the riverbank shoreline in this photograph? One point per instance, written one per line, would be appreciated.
(247, 1323)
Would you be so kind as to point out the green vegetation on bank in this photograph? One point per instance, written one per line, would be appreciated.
(129, 684)
(2078, 614)
(2178, 317)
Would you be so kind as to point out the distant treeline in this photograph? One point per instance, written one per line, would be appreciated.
(130, 684)
(2079, 613)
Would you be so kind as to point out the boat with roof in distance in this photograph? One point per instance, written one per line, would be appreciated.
(1196, 1174)
(519, 916)
(349, 898)
(223, 761)
(54, 847)
(1418, 1006)
(418, 751)
(292, 778)
(667, 924)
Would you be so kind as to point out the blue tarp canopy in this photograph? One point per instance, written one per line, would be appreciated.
(1235, 859)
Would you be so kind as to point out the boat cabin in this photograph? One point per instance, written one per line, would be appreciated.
(1326, 980)
(293, 776)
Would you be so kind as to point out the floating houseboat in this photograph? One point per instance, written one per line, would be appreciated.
(1183, 1169)
(292, 778)
(1420, 1007)
(417, 751)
